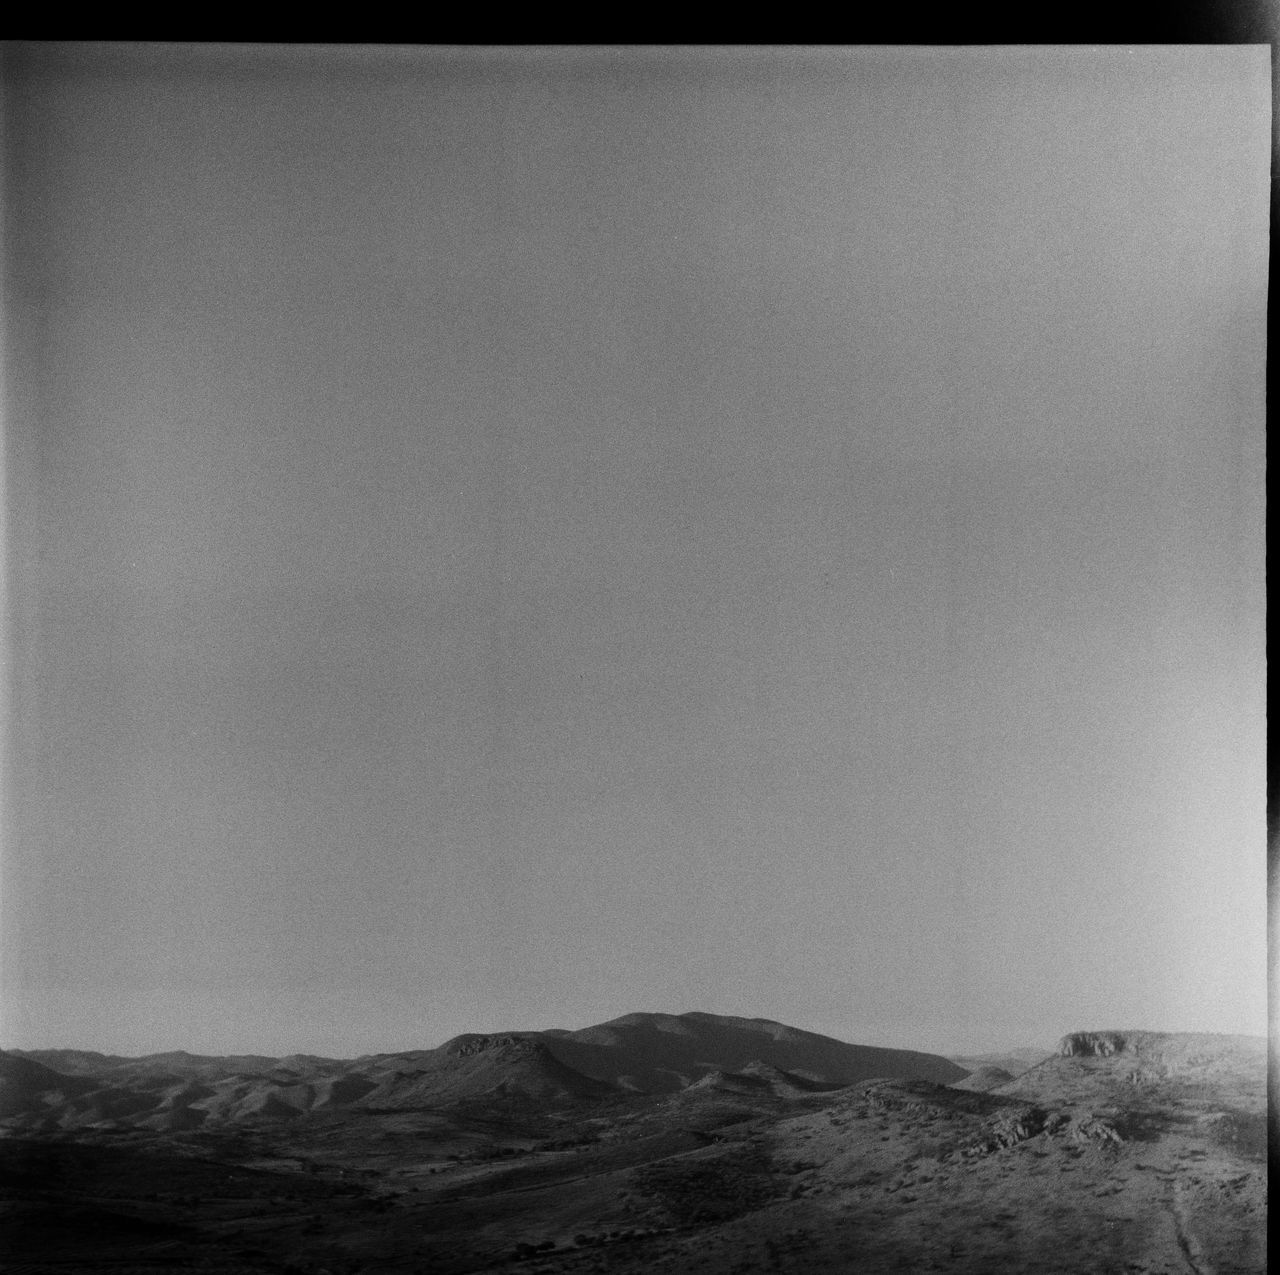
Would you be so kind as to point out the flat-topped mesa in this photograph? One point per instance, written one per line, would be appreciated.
(1183, 1049)
(473, 1043)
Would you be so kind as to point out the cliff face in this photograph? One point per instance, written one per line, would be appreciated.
(1181, 1051)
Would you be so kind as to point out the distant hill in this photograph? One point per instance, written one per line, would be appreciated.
(1013, 1061)
(983, 1079)
(84, 1062)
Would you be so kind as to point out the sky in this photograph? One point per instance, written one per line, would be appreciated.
(505, 538)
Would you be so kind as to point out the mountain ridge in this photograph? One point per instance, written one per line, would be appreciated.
(637, 1053)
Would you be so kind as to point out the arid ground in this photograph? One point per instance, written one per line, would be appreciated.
(1119, 1152)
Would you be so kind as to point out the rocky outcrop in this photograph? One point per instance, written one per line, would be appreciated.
(1099, 1044)
(1016, 1125)
(469, 1045)
(1091, 1128)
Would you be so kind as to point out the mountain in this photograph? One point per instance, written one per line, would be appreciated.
(637, 1053)
(666, 1052)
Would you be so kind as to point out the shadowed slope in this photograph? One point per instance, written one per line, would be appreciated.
(27, 1086)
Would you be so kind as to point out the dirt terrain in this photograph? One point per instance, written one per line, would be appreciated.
(1123, 1152)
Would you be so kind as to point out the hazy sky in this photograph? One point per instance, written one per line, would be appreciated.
(506, 539)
